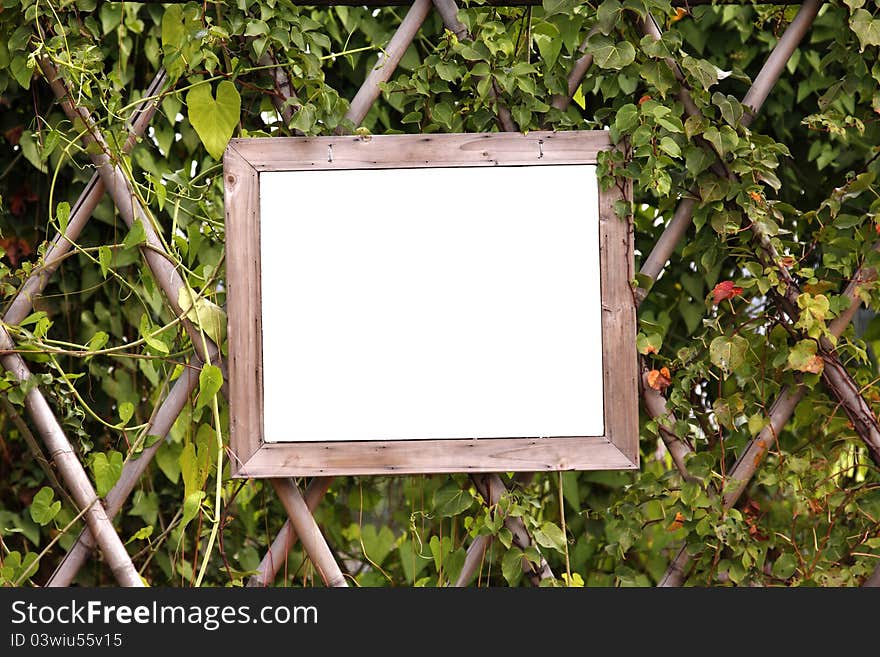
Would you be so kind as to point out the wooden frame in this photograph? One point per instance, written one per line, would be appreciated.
(245, 159)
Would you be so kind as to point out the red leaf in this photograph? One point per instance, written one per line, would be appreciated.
(13, 135)
(16, 249)
(725, 290)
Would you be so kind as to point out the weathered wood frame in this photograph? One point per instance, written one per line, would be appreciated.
(245, 159)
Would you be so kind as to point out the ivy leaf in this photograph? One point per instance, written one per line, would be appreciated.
(173, 32)
(452, 500)
(731, 110)
(701, 70)
(21, 71)
(43, 509)
(559, 6)
(728, 353)
(214, 119)
(105, 255)
(610, 54)
(511, 566)
(608, 14)
(648, 344)
(377, 545)
(202, 312)
(62, 213)
(866, 28)
(785, 566)
(546, 36)
(210, 381)
(106, 468)
(803, 358)
(148, 333)
(725, 290)
(627, 117)
(550, 536)
(126, 411)
(137, 235)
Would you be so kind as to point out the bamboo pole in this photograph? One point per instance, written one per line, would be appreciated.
(82, 210)
(305, 526)
(132, 471)
(492, 490)
(128, 205)
(576, 76)
(655, 405)
(448, 10)
(477, 549)
(388, 61)
(765, 80)
(284, 541)
(71, 470)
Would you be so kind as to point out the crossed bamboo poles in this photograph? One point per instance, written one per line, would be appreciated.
(99, 530)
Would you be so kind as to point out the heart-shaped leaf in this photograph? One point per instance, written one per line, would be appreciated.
(214, 119)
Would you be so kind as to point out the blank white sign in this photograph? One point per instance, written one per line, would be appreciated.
(431, 303)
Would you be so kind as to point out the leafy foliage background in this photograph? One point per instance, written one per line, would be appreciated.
(106, 348)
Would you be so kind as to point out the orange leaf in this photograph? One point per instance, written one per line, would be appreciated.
(725, 290)
(680, 13)
(814, 365)
(659, 380)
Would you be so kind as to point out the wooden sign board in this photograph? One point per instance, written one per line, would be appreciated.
(427, 303)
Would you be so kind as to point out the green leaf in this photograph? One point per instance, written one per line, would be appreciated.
(701, 70)
(153, 339)
(210, 381)
(191, 505)
(728, 353)
(512, 566)
(610, 54)
(731, 110)
(136, 236)
(21, 71)
(627, 117)
(98, 341)
(189, 469)
(62, 213)
(105, 255)
(802, 357)
(785, 566)
(452, 500)
(206, 315)
(168, 460)
(549, 42)
(607, 15)
(377, 545)
(42, 508)
(173, 33)
(559, 6)
(126, 410)
(214, 119)
(304, 119)
(106, 468)
(648, 344)
(713, 189)
(866, 28)
(668, 146)
(550, 536)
